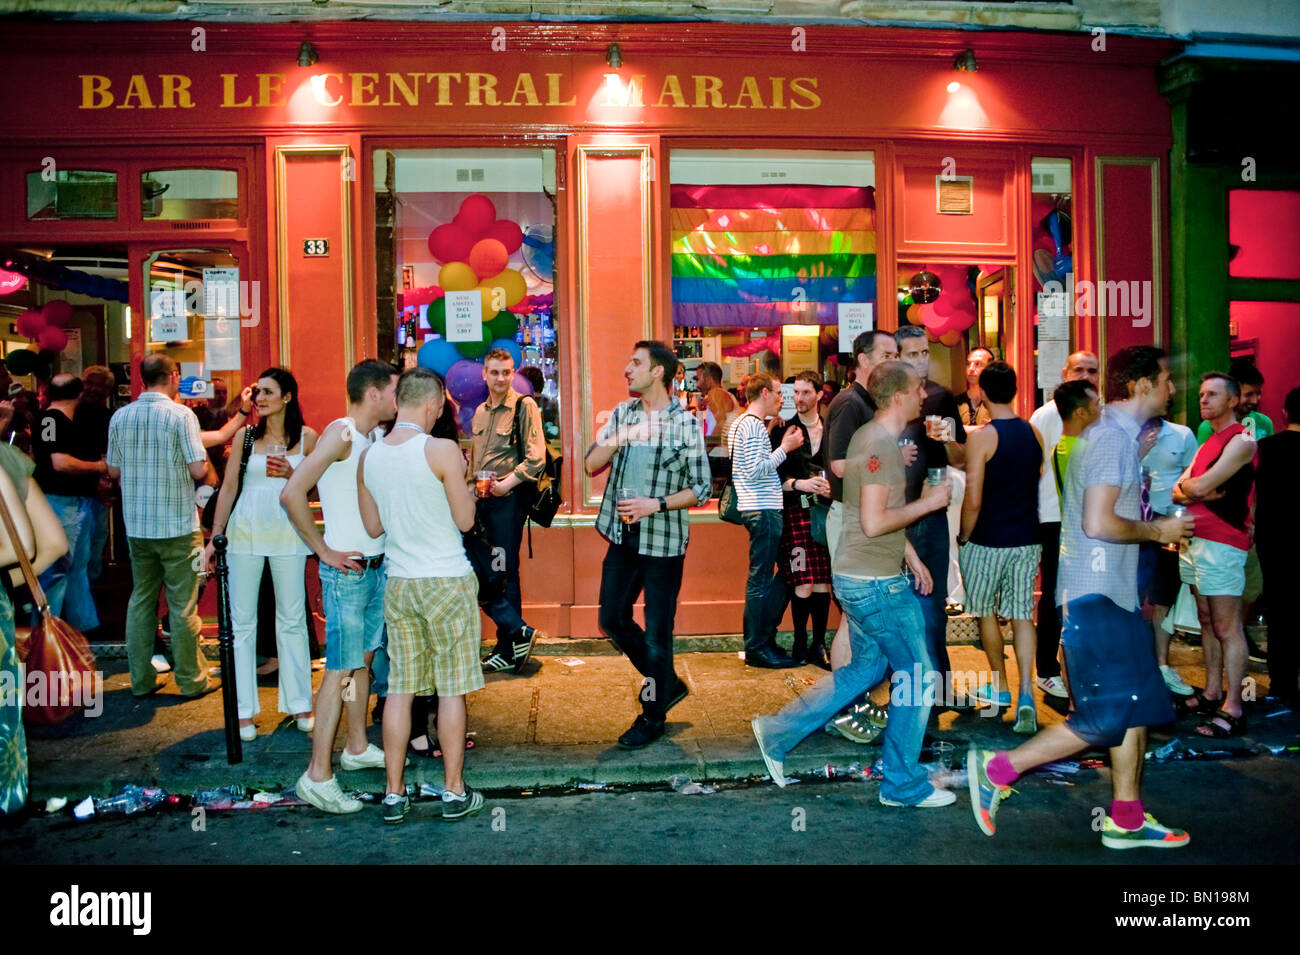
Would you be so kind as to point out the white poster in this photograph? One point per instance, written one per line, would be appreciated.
(855, 318)
(70, 359)
(221, 293)
(221, 344)
(464, 316)
(1052, 354)
(1053, 322)
(788, 409)
(167, 322)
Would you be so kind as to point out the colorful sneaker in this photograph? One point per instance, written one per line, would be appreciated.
(1152, 835)
(1174, 682)
(855, 727)
(1026, 718)
(1053, 686)
(523, 647)
(986, 697)
(498, 663)
(984, 794)
(774, 767)
(395, 807)
(456, 807)
(327, 796)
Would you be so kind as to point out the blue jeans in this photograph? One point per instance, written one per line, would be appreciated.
(66, 586)
(354, 615)
(885, 624)
(503, 519)
(929, 537)
(98, 538)
(765, 590)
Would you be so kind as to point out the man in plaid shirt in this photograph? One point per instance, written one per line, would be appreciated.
(658, 470)
(154, 448)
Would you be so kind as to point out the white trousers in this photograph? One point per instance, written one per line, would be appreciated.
(288, 575)
(956, 591)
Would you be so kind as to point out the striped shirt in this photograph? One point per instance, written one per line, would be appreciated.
(754, 464)
(151, 441)
(671, 460)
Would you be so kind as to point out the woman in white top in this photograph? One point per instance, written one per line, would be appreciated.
(259, 530)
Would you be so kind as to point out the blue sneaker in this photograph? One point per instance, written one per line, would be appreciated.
(1026, 717)
(984, 793)
(987, 697)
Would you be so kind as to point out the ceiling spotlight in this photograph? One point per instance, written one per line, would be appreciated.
(614, 56)
(965, 62)
(954, 86)
(307, 54)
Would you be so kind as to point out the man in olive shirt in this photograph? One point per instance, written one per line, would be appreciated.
(884, 614)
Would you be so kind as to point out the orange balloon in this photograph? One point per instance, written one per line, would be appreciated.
(457, 277)
(914, 314)
(512, 283)
(950, 338)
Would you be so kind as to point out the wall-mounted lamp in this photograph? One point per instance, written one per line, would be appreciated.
(965, 62)
(614, 56)
(307, 54)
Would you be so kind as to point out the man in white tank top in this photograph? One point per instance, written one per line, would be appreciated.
(352, 580)
(411, 488)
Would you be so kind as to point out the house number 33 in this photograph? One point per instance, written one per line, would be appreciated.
(315, 246)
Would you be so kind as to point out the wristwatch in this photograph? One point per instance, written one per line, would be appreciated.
(663, 505)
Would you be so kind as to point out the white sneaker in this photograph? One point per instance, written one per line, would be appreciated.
(326, 796)
(372, 757)
(937, 798)
(774, 767)
(1053, 686)
(1175, 683)
(160, 663)
(307, 724)
(248, 733)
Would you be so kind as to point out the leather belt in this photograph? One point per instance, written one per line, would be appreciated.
(371, 563)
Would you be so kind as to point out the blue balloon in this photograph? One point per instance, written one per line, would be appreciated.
(438, 355)
(508, 344)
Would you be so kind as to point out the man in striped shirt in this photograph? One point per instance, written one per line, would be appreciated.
(754, 465)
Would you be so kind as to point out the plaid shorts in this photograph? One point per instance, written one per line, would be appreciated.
(1000, 580)
(433, 635)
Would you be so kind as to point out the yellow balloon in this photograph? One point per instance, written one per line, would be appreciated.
(491, 297)
(512, 282)
(457, 277)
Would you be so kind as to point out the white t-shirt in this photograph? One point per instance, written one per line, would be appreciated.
(1048, 422)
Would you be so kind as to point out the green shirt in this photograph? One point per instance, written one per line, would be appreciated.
(1061, 460)
(1263, 428)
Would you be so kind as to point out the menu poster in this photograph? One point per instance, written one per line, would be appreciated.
(465, 316)
(167, 322)
(221, 344)
(221, 293)
(1053, 322)
(854, 318)
(1052, 354)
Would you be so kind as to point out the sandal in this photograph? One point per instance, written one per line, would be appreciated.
(469, 744)
(430, 751)
(1197, 704)
(1236, 726)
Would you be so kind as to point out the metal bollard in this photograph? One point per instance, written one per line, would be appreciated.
(226, 636)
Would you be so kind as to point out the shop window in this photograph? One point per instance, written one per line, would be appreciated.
(770, 249)
(1052, 261)
(194, 302)
(189, 194)
(1263, 234)
(456, 221)
(71, 194)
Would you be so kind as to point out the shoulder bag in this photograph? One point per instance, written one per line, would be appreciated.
(210, 507)
(542, 498)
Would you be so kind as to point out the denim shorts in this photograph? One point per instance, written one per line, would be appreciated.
(354, 615)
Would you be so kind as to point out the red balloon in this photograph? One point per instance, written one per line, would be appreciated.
(30, 323)
(449, 243)
(507, 233)
(960, 321)
(57, 313)
(488, 257)
(477, 213)
(52, 339)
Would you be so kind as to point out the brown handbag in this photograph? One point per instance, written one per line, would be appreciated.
(61, 676)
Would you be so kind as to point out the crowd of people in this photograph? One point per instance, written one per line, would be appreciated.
(876, 500)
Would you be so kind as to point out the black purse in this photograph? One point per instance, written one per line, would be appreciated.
(729, 505)
(542, 498)
(210, 508)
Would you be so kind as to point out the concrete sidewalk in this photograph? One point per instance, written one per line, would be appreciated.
(554, 726)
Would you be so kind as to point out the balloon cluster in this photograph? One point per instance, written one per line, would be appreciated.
(952, 313)
(56, 276)
(474, 250)
(46, 325)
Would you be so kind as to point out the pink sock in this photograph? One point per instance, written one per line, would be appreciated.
(1000, 770)
(1127, 815)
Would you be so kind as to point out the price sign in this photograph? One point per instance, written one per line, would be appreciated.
(464, 316)
(855, 318)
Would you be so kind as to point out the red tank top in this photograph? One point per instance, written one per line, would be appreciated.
(1225, 520)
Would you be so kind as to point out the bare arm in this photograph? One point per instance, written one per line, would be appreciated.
(67, 464)
(214, 439)
(22, 523)
(229, 488)
(978, 450)
(447, 465)
(334, 445)
(38, 528)
(370, 519)
(1100, 522)
(879, 519)
(1235, 456)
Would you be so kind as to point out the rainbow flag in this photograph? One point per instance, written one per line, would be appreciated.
(771, 255)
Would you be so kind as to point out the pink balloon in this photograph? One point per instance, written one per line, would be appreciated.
(942, 305)
(962, 321)
(30, 323)
(52, 339)
(507, 233)
(450, 243)
(477, 213)
(57, 313)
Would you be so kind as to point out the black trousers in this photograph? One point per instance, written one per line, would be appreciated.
(1049, 615)
(624, 575)
(1276, 564)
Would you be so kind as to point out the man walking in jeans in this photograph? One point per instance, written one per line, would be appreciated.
(754, 464)
(885, 617)
(155, 450)
(507, 442)
(352, 581)
(658, 469)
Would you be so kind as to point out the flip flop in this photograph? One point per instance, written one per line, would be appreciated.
(1236, 726)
